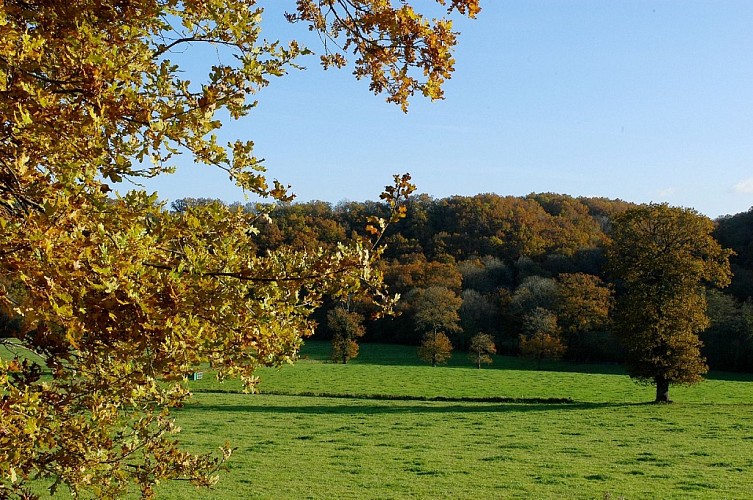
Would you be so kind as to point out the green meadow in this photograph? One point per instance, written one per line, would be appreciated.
(387, 426)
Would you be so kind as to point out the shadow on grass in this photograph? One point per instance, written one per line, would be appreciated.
(500, 363)
(403, 355)
(332, 407)
(730, 376)
(398, 397)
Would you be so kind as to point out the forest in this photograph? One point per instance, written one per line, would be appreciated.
(508, 267)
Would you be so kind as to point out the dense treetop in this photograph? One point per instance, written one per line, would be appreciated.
(506, 256)
(662, 257)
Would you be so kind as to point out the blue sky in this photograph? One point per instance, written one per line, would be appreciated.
(638, 100)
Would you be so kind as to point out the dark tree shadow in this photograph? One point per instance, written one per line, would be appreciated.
(331, 407)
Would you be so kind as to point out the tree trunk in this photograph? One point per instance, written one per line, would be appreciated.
(434, 354)
(662, 389)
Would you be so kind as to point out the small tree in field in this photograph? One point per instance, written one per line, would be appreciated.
(541, 339)
(482, 348)
(347, 327)
(435, 348)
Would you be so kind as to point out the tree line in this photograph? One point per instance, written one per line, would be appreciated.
(532, 272)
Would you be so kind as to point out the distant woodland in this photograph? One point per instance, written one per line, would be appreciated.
(508, 267)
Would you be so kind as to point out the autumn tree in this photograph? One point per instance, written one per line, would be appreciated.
(482, 349)
(420, 274)
(436, 308)
(570, 227)
(435, 348)
(118, 297)
(541, 338)
(663, 257)
(399, 50)
(584, 304)
(306, 226)
(346, 327)
(435, 311)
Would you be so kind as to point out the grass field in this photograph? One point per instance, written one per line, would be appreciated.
(606, 443)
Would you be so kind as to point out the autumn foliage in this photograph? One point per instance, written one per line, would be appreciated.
(399, 49)
(663, 257)
(481, 349)
(435, 348)
(116, 297)
(542, 336)
(346, 327)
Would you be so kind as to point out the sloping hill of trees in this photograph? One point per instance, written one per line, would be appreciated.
(520, 266)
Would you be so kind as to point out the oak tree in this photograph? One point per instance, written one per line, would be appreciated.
(663, 256)
(436, 308)
(400, 50)
(435, 312)
(584, 304)
(119, 298)
(482, 349)
(435, 348)
(346, 327)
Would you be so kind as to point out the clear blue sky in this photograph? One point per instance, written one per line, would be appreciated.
(646, 100)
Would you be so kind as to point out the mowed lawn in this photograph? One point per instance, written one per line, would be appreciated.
(606, 443)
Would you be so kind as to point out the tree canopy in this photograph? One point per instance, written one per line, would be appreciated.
(398, 48)
(346, 327)
(498, 292)
(663, 256)
(482, 349)
(118, 298)
(435, 348)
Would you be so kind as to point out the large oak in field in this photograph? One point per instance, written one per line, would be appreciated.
(663, 256)
(119, 298)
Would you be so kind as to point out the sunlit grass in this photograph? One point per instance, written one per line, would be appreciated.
(355, 442)
(396, 370)
(298, 447)
(607, 443)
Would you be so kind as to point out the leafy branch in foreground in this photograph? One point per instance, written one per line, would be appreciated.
(118, 299)
(397, 48)
(119, 334)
